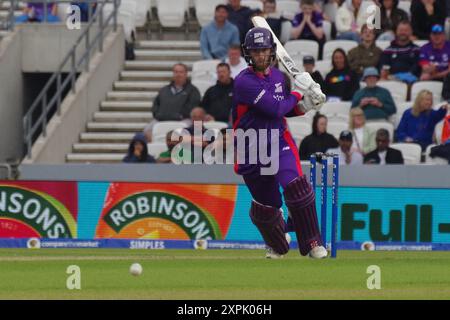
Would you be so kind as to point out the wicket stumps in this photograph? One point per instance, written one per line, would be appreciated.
(322, 159)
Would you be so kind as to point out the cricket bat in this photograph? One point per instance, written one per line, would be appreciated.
(282, 54)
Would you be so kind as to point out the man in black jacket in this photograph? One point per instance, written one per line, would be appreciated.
(383, 154)
(217, 99)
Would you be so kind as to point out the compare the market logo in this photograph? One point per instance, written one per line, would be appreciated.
(152, 214)
(29, 213)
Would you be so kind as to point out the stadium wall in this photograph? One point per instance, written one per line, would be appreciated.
(11, 97)
(45, 204)
(77, 109)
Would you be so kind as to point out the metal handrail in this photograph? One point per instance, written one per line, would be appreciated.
(43, 100)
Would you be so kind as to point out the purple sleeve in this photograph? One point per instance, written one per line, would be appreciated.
(254, 95)
(297, 20)
(318, 19)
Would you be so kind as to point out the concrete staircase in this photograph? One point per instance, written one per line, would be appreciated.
(127, 108)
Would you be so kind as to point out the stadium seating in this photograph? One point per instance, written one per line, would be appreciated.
(161, 128)
(398, 90)
(434, 86)
(215, 125)
(338, 110)
(382, 44)
(327, 29)
(335, 127)
(171, 13)
(401, 108)
(143, 7)
(374, 125)
(411, 152)
(323, 66)
(252, 4)
(297, 49)
(288, 8)
(203, 85)
(436, 160)
(438, 131)
(204, 10)
(405, 5)
(332, 45)
(299, 130)
(204, 70)
(156, 148)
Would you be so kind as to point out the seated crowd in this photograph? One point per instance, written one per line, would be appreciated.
(353, 77)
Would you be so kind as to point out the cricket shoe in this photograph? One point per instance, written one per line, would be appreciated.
(318, 252)
(270, 254)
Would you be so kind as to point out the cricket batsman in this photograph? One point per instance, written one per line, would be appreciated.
(260, 102)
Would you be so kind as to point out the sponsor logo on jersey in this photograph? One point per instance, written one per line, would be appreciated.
(260, 95)
(278, 87)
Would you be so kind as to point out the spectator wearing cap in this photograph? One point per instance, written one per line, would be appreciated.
(236, 62)
(400, 61)
(347, 155)
(308, 65)
(240, 16)
(435, 56)
(319, 140)
(341, 82)
(418, 123)
(376, 101)
(383, 154)
(366, 54)
(425, 14)
(217, 37)
(308, 24)
(218, 98)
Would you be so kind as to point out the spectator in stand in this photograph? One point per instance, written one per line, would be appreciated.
(418, 123)
(35, 12)
(273, 17)
(217, 37)
(196, 134)
(174, 101)
(308, 65)
(308, 25)
(425, 14)
(435, 56)
(347, 155)
(319, 140)
(235, 60)
(391, 15)
(383, 154)
(366, 54)
(218, 98)
(376, 101)
(180, 155)
(341, 82)
(364, 138)
(446, 129)
(240, 17)
(350, 17)
(400, 61)
(84, 10)
(137, 151)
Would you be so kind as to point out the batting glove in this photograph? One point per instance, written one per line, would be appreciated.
(310, 90)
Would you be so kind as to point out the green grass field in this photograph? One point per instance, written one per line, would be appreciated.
(215, 274)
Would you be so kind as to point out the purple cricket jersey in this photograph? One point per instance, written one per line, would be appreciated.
(316, 19)
(439, 57)
(262, 102)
